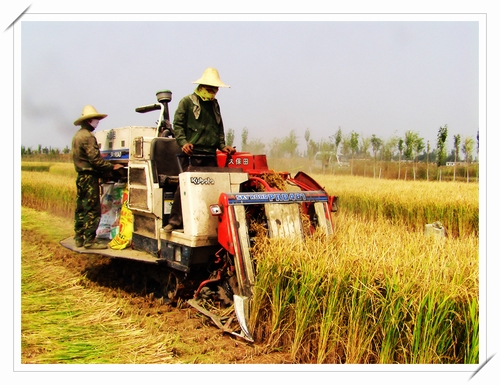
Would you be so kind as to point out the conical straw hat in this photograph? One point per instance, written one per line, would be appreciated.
(211, 78)
(89, 112)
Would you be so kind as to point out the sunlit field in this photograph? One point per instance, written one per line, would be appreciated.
(371, 293)
(409, 204)
(379, 290)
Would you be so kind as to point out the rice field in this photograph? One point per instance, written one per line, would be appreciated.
(371, 293)
(409, 204)
(49, 191)
(379, 290)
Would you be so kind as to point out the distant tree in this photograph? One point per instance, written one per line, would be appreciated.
(353, 143)
(284, 147)
(290, 143)
(477, 139)
(409, 144)
(255, 146)
(364, 145)
(337, 139)
(276, 148)
(376, 145)
(345, 146)
(388, 147)
(410, 149)
(325, 155)
(441, 148)
(427, 155)
(313, 147)
(419, 147)
(66, 150)
(230, 137)
(467, 149)
(401, 147)
(456, 148)
(244, 139)
(307, 137)
(353, 147)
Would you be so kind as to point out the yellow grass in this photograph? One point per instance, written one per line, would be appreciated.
(377, 291)
(371, 293)
(410, 204)
(45, 191)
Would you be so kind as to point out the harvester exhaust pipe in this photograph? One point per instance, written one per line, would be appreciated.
(164, 97)
(164, 127)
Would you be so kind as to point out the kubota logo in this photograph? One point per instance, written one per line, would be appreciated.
(199, 180)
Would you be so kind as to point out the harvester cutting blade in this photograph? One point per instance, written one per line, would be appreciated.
(241, 308)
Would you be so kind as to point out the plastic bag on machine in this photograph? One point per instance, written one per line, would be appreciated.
(123, 239)
(111, 202)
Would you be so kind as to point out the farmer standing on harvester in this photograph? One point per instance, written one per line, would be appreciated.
(198, 129)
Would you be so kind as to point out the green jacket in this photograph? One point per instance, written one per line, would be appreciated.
(86, 154)
(199, 123)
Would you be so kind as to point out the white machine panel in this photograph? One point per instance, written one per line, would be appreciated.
(199, 190)
(122, 138)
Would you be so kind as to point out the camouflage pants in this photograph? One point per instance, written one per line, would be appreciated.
(88, 207)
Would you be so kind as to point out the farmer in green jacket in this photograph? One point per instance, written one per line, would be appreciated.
(89, 165)
(198, 129)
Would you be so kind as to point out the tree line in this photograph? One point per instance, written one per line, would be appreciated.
(26, 151)
(411, 147)
(352, 145)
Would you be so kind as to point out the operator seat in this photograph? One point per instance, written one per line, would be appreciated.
(166, 169)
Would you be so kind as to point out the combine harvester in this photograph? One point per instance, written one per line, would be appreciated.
(211, 254)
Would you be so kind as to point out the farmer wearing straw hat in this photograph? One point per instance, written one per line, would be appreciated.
(90, 166)
(199, 129)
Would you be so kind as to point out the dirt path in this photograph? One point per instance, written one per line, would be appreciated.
(135, 282)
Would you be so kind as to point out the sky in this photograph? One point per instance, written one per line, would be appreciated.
(362, 74)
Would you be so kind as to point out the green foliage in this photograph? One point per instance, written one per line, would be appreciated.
(376, 145)
(230, 137)
(284, 147)
(441, 145)
(255, 146)
(353, 142)
(365, 145)
(456, 146)
(467, 148)
(337, 138)
(244, 139)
